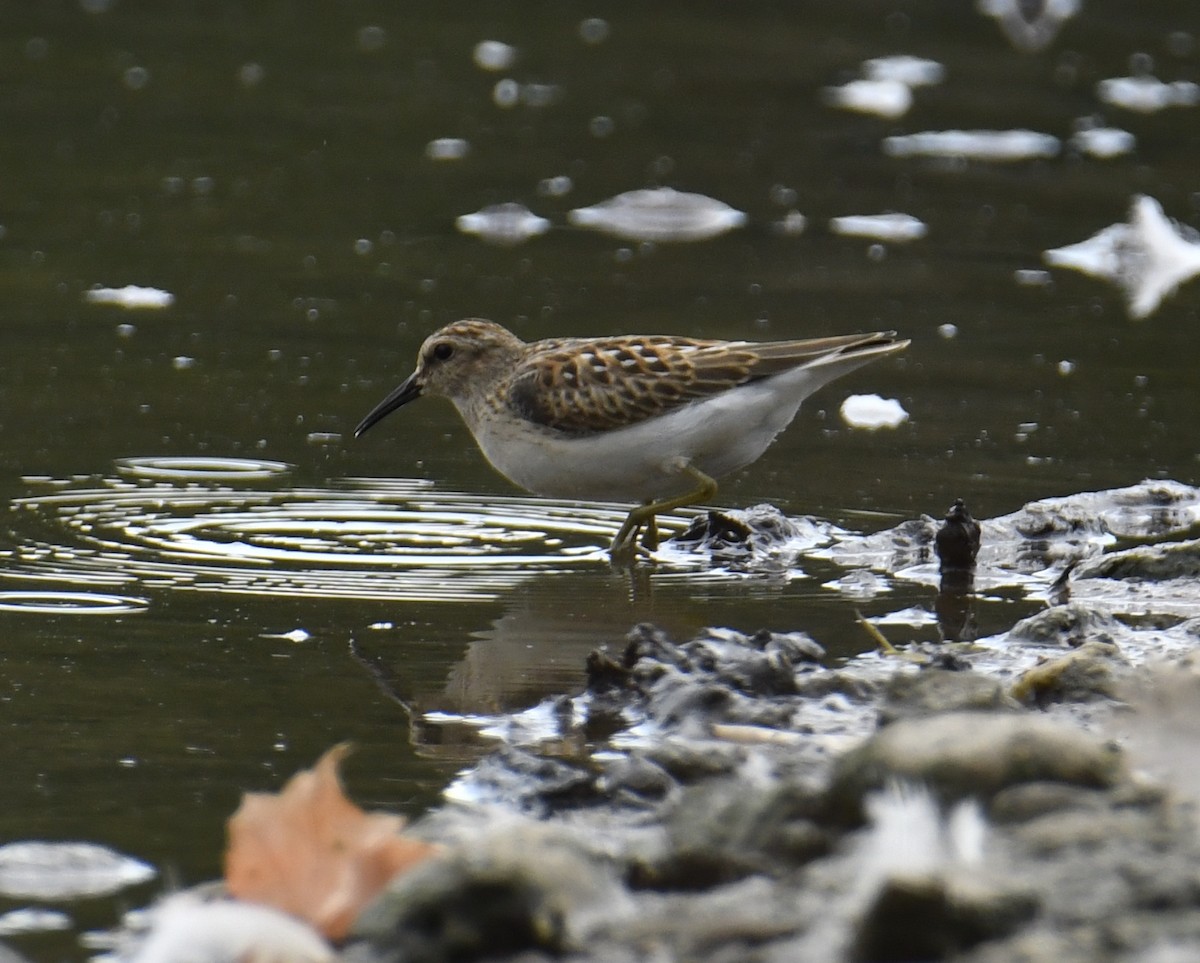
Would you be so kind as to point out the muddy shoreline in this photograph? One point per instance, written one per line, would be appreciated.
(1030, 795)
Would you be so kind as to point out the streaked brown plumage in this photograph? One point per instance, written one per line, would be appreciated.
(652, 418)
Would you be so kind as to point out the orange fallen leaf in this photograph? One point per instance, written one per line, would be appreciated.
(311, 852)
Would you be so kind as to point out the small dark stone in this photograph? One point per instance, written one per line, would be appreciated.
(928, 918)
(714, 527)
(603, 673)
(957, 541)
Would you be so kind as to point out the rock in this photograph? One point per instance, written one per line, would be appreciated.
(911, 695)
(934, 918)
(1152, 562)
(970, 754)
(519, 886)
(1066, 626)
(1087, 674)
(731, 828)
(957, 540)
(533, 783)
(1020, 803)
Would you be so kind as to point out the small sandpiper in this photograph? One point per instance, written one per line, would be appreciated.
(653, 419)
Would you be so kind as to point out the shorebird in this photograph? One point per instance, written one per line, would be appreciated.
(653, 419)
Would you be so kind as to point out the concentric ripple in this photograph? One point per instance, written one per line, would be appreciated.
(70, 603)
(183, 468)
(196, 524)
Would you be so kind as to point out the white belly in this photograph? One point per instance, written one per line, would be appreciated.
(718, 435)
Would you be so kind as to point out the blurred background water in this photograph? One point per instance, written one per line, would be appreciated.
(206, 581)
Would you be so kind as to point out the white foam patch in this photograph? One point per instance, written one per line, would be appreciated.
(873, 412)
(131, 296)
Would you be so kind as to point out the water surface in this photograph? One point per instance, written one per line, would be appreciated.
(206, 582)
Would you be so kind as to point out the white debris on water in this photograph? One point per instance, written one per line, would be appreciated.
(882, 227)
(659, 214)
(983, 145)
(1147, 95)
(447, 149)
(884, 98)
(130, 296)
(494, 55)
(906, 69)
(1148, 256)
(872, 412)
(506, 224)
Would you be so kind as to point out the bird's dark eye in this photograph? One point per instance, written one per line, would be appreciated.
(442, 351)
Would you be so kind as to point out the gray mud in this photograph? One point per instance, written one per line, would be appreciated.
(732, 797)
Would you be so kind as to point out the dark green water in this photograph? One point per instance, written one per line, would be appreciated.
(266, 164)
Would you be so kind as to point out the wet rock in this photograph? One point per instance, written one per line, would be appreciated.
(957, 541)
(715, 531)
(910, 695)
(1021, 803)
(1066, 626)
(532, 783)
(1153, 562)
(935, 918)
(761, 537)
(719, 676)
(1090, 827)
(517, 887)
(635, 780)
(731, 828)
(689, 761)
(724, 924)
(848, 684)
(1085, 675)
(969, 754)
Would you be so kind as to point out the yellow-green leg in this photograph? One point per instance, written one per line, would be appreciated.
(643, 516)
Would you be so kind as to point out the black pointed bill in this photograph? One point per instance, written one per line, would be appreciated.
(409, 390)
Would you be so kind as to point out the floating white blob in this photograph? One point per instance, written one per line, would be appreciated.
(884, 98)
(66, 871)
(1148, 257)
(905, 69)
(447, 149)
(131, 296)
(296, 635)
(507, 224)
(1147, 95)
(881, 227)
(947, 330)
(659, 214)
(986, 145)
(494, 55)
(873, 412)
(1030, 26)
(1104, 142)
